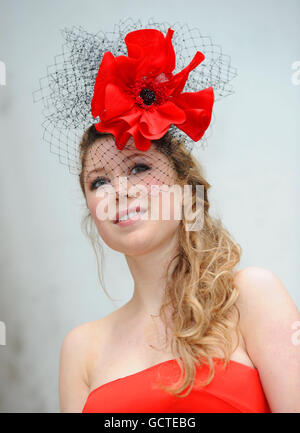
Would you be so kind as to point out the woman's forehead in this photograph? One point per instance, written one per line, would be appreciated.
(109, 142)
(104, 155)
(106, 148)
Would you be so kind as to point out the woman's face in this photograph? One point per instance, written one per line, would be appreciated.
(118, 180)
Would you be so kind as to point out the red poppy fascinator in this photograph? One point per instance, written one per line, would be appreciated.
(137, 82)
(138, 95)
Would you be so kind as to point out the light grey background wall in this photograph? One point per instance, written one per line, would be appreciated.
(49, 279)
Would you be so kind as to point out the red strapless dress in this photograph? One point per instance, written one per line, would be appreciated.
(234, 389)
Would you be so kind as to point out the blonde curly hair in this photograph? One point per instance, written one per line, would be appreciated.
(200, 288)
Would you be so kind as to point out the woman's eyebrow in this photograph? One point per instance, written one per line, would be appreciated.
(145, 154)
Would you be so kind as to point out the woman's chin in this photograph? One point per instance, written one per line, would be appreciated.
(133, 242)
(140, 238)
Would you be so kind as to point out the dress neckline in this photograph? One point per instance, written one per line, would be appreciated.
(231, 361)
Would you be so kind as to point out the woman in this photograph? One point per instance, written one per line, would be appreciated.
(205, 295)
(232, 335)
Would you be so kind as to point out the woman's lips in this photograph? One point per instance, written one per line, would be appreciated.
(132, 219)
(121, 213)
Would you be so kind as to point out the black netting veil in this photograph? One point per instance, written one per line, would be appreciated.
(67, 88)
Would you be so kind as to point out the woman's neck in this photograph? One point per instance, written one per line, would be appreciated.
(149, 272)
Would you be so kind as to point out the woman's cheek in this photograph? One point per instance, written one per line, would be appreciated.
(153, 185)
(170, 203)
(98, 208)
(92, 203)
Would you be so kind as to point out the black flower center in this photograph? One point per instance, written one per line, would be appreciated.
(148, 96)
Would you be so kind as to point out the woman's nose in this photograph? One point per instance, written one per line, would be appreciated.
(120, 184)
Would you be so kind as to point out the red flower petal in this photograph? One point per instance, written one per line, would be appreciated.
(118, 71)
(154, 51)
(116, 102)
(171, 111)
(170, 53)
(149, 136)
(177, 83)
(118, 129)
(198, 108)
(132, 116)
(105, 74)
(153, 123)
(202, 99)
(125, 70)
(122, 140)
(141, 142)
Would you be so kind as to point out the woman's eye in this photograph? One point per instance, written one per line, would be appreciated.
(98, 182)
(140, 168)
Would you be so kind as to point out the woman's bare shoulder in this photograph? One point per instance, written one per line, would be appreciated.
(258, 284)
(76, 345)
(260, 292)
(84, 334)
(79, 335)
(269, 318)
